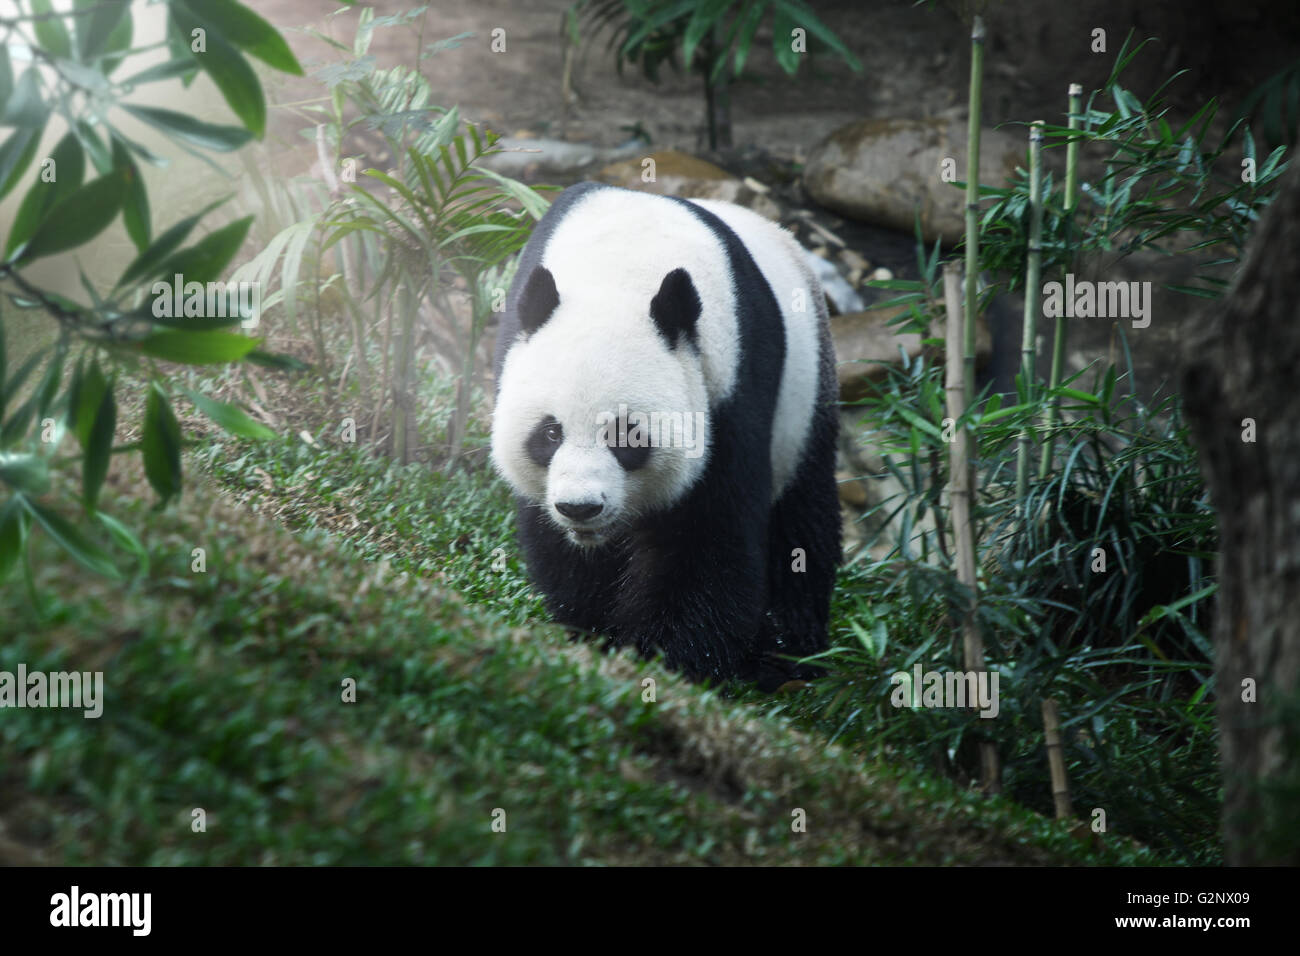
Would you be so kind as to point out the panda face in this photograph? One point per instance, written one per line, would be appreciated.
(601, 416)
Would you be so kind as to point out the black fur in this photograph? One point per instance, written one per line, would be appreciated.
(676, 308)
(709, 583)
(538, 301)
(542, 445)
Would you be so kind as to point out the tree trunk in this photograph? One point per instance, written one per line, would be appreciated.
(1240, 369)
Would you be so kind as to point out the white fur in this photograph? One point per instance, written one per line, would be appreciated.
(600, 350)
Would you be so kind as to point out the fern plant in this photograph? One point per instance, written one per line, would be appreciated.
(404, 240)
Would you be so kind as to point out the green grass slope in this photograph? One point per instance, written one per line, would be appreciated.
(224, 692)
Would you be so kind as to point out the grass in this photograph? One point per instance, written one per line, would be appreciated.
(224, 692)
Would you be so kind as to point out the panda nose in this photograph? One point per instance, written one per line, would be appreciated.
(579, 510)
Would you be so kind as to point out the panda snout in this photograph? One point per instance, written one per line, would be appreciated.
(579, 510)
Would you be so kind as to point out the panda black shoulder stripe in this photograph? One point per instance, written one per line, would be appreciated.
(761, 328)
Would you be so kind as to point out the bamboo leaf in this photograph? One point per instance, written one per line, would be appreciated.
(197, 348)
(76, 219)
(98, 449)
(233, 419)
(160, 445)
(189, 130)
(247, 30)
(72, 540)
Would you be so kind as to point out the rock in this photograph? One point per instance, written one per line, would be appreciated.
(523, 158)
(853, 260)
(852, 491)
(681, 174)
(883, 171)
(880, 274)
(840, 293)
(865, 345)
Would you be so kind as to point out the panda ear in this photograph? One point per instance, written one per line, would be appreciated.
(538, 300)
(676, 308)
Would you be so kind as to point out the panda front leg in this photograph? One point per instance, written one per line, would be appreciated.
(804, 550)
(694, 585)
(579, 585)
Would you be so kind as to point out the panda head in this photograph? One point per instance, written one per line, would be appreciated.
(602, 412)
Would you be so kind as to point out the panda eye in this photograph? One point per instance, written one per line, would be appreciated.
(544, 441)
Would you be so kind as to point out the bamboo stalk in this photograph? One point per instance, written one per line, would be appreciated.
(1056, 760)
(1058, 346)
(403, 403)
(960, 497)
(972, 199)
(1033, 271)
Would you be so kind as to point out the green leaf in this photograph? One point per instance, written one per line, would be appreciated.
(25, 472)
(16, 424)
(803, 16)
(71, 540)
(750, 20)
(248, 31)
(15, 382)
(229, 71)
(783, 25)
(25, 108)
(77, 218)
(53, 377)
(124, 538)
(99, 154)
(69, 172)
(135, 209)
(702, 23)
(118, 43)
(95, 30)
(160, 445)
(16, 155)
(99, 449)
(207, 259)
(85, 401)
(163, 71)
(6, 75)
(277, 360)
(229, 417)
(197, 348)
(222, 139)
(149, 262)
(178, 44)
(13, 535)
(1086, 397)
(50, 31)
(926, 426)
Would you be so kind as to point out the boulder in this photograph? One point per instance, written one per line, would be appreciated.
(883, 171)
(681, 174)
(865, 345)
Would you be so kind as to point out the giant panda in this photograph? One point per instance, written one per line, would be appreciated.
(666, 416)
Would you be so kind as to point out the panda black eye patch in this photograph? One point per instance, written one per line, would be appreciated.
(631, 446)
(631, 457)
(544, 441)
